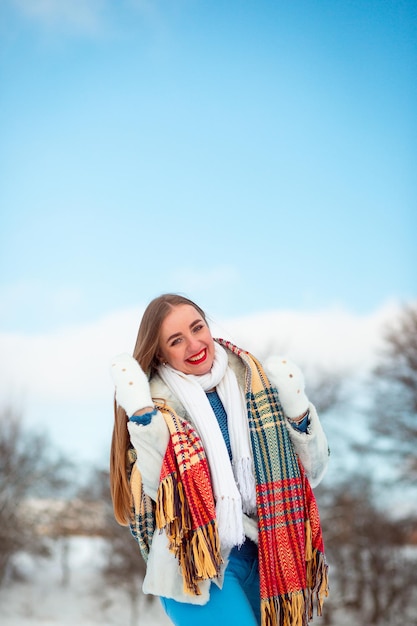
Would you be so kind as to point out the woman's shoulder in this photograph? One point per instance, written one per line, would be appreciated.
(237, 365)
(161, 392)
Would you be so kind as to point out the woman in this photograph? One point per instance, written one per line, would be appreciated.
(212, 463)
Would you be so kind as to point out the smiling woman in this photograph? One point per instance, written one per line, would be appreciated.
(186, 342)
(213, 461)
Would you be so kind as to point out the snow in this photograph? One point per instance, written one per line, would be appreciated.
(44, 598)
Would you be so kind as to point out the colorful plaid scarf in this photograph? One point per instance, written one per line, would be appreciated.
(292, 566)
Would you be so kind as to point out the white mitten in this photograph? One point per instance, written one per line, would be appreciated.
(132, 385)
(289, 381)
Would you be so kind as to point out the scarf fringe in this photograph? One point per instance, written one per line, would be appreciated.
(296, 609)
(317, 570)
(243, 471)
(198, 549)
(316, 573)
(230, 522)
(287, 610)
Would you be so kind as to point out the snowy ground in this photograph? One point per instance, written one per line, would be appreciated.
(43, 599)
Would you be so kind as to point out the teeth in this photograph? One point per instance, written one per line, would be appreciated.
(197, 357)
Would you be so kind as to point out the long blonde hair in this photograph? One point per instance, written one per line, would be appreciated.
(145, 352)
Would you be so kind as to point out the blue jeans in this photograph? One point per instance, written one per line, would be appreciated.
(238, 602)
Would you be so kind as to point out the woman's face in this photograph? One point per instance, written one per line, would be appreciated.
(185, 341)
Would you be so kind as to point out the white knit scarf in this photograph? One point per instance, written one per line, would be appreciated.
(234, 488)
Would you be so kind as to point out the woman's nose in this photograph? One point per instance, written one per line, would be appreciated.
(194, 344)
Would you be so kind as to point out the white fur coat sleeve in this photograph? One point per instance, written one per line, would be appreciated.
(150, 443)
(311, 447)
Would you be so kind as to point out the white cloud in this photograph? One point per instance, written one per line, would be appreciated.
(61, 380)
(333, 336)
(37, 301)
(55, 365)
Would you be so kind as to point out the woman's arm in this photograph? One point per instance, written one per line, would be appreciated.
(150, 442)
(311, 447)
(147, 428)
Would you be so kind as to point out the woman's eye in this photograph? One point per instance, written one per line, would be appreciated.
(175, 341)
(198, 327)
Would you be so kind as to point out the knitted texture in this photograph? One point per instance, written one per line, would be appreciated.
(292, 566)
(220, 413)
(142, 518)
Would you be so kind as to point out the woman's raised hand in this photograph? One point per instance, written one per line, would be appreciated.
(289, 381)
(131, 383)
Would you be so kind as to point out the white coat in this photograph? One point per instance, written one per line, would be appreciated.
(163, 577)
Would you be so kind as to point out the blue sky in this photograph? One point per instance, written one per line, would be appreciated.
(259, 157)
(253, 155)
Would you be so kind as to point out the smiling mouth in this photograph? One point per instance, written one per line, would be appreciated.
(198, 358)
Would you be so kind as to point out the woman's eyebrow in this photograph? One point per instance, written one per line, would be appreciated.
(175, 335)
(195, 322)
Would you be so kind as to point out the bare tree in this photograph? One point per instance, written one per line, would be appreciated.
(124, 567)
(326, 389)
(395, 378)
(29, 466)
(371, 545)
(373, 564)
